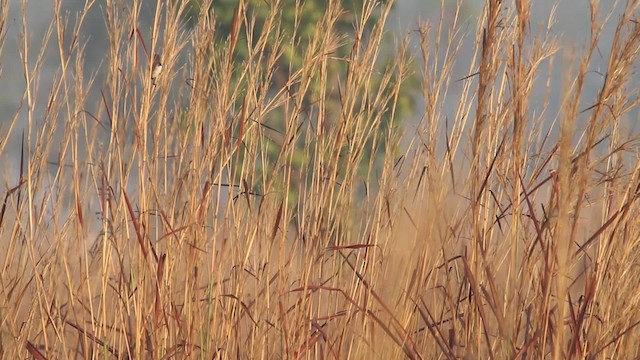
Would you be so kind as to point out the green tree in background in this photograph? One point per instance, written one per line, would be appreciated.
(300, 19)
(304, 22)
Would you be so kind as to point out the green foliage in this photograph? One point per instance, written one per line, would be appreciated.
(297, 23)
(303, 23)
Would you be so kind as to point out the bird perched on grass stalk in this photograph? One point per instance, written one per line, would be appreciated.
(156, 69)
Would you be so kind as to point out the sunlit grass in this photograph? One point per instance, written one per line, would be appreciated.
(225, 213)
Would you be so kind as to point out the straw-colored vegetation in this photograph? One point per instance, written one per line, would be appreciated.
(159, 222)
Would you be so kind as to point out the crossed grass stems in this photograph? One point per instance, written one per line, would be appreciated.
(499, 229)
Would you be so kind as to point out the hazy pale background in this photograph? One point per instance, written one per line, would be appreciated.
(571, 28)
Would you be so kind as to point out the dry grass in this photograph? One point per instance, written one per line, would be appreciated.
(500, 229)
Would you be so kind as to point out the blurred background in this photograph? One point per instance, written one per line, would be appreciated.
(571, 29)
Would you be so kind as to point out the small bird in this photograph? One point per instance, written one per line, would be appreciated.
(157, 68)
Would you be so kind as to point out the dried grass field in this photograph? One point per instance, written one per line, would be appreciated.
(238, 208)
